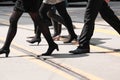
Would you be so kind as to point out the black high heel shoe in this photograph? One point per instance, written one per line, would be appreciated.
(5, 51)
(50, 50)
(34, 40)
(71, 39)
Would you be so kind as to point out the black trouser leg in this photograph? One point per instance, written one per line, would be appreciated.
(109, 16)
(91, 13)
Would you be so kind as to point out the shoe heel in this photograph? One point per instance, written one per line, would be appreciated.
(7, 54)
(50, 50)
(34, 40)
(4, 51)
(57, 48)
(38, 42)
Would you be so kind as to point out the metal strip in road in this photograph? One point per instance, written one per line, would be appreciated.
(75, 70)
(89, 76)
(78, 71)
(45, 65)
(42, 62)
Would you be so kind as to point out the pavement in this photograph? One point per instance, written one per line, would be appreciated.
(103, 63)
(6, 3)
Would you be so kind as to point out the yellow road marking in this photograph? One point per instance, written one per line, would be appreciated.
(45, 65)
(87, 75)
(3, 21)
(111, 32)
(105, 50)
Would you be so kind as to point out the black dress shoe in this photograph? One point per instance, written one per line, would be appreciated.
(79, 51)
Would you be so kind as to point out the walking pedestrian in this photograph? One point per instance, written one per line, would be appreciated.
(56, 22)
(93, 8)
(48, 7)
(31, 7)
(60, 6)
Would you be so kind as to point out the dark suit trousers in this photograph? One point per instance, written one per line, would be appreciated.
(93, 8)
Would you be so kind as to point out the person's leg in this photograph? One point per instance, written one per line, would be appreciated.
(45, 31)
(52, 14)
(61, 8)
(11, 32)
(57, 30)
(109, 16)
(38, 4)
(46, 9)
(91, 13)
(43, 13)
(37, 37)
(57, 26)
(35, 25)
